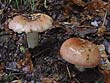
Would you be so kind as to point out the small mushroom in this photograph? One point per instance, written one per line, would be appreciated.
(39, 23)
(82, 53)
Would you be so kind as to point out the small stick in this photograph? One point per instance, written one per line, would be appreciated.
(68, 71)
(104, 19)
(11, 69)
(77, 80)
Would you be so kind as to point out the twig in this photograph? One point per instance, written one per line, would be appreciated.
(11, 69)
(45, 4)
(77, 80)
(68, 71)
(104, 19)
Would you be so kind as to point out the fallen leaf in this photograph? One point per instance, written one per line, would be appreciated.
(2, 66)
(26, 64)
(95, 5)
(107, 6)
(78, 2)
(101, 13)
(74, 21)
(106, 74)
(53, 79)
(20, 64)
(101, 31)
(48, 80)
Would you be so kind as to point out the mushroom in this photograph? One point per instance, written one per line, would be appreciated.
(39, 23)
(82, 53)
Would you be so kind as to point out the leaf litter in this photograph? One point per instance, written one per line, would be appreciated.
(86, 19)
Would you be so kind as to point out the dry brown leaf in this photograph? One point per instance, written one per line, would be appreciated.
(88, 17)
(95, 5)
(106, 74)
(53, 79)
(74, 21)
(67, 9)
(56, 24)
(100, 13)
(48, 80)
(2, 66)
(26, 64)
(101, 31)
(107, 6)
(20, 64)
(78, 2)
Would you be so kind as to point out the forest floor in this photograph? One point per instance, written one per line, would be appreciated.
(87, 19)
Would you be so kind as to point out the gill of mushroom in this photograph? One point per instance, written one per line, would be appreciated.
(80, 52)
(39, 23)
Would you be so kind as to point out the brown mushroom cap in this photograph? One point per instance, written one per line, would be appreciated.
(80, 52)
(18, 24)
(40, 23)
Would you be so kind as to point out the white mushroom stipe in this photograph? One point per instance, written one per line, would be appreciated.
(33, 39)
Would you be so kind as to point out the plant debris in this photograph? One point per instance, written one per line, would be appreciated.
(86, 19)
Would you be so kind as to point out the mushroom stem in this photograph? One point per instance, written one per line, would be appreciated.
(32, 39)
(81, 69)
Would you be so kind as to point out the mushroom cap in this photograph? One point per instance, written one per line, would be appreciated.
(80, 52)
(40, 23)
(18, 24)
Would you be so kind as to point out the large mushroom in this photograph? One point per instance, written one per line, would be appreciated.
(39, 23)
(82, 53)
